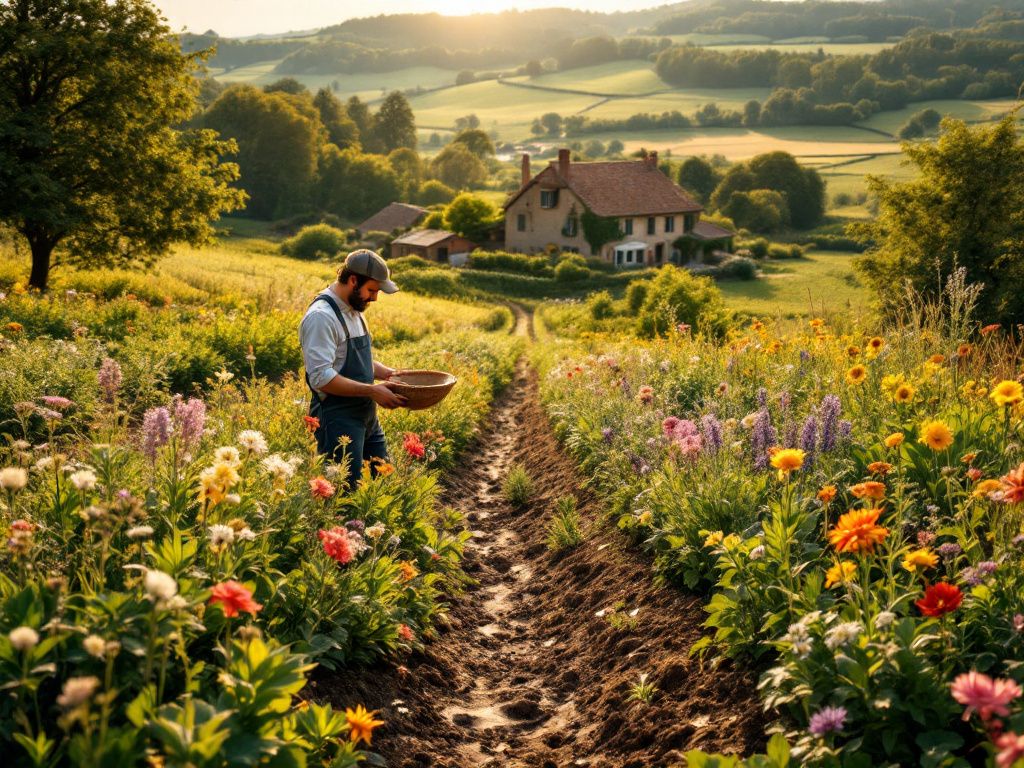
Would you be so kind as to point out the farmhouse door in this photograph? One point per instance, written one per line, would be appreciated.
(659, 253)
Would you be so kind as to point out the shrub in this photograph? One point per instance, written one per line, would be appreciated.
(518, 486)
(564, 529)
(676, 296)
(636, 294)
(600, 305)
(572, 270)
(500, 261)
(318, 241)
(758, 247)
(738, 268)
(405, 263)
(434, 192)
(780, 251)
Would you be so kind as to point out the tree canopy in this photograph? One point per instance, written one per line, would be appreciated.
(92, 155)
(965, 209)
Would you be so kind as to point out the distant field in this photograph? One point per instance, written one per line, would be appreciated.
(507, 109)
(687, 102)
(367, 86)
(824, 280)
(616, 77)
(972, 111)
(834, 49)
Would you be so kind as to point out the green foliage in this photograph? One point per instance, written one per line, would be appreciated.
(319, 241)
(433, 192)
(471, 216)
(501, 261)
(517, 487)
(564, 528)
(394, 125)
(478, 142)
(643, 690)
(962, 211)
(353, 184)
(599, 230)
(674, 296)
(571, 269)
(920, 124)
(457, 167)
(801, 188)
(600, 305)
(341, 129)
(760, 210)
(92, 159)
(698, 176)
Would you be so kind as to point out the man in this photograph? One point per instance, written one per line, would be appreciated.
(340, 370)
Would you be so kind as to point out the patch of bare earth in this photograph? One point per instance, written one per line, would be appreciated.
(529, 670)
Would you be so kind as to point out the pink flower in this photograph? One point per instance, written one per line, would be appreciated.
(405, 633)
(645, 394)
(109, 379)
(1011, 749)
(233, 599)
(321, 488)
(668, 426)
(413, 446)
(337, 544)
(57, 402)
(979, 692)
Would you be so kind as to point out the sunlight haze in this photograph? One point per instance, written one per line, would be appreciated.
(234, 18)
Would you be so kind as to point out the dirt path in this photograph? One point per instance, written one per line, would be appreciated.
(536, 663)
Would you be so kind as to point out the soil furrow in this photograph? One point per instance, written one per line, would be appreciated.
(536, 663)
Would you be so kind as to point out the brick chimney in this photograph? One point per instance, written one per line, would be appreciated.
(652, 159)
(563, 163)
(526, 168)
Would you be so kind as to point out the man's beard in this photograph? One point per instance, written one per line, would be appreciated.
(357, 302)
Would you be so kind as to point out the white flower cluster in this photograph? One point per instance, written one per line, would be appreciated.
(842, 634)
(252, 441)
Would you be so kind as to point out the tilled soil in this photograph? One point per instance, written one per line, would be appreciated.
(538, 658)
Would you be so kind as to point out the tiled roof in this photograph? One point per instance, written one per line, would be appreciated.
(394, 216)
(424, 237)
(705, 230)
(619, 188)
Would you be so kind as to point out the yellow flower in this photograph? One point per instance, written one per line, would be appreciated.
(936, 435)
(361, 724)
(1007, 393)
(904, 393)
(817, 322)
(890, 382)
(787, 459)
(920, 558)
(857, 374)
(407, 571)
(714, 539)
(985, 487)
(731, 541)
(840, 573)
(895, 440)
(937, 359)
(853, 351)
(875, 346)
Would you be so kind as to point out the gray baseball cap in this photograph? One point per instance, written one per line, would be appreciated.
(366, 262)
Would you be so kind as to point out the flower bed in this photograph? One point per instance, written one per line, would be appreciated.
(853, 504)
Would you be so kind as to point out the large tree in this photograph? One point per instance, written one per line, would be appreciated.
(394, 124)
(964, 209)
(93, 94)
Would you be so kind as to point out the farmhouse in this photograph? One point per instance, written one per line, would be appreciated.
(392, 217)
(628, 213)
(431, 244)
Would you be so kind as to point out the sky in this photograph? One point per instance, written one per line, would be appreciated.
(238, 18)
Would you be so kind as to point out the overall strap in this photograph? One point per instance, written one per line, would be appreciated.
(337, 313)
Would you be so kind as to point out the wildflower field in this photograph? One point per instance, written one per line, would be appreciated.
(178, 558)
(849, 498)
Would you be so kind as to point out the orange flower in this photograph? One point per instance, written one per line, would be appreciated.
(361, 724)
(940, 599)
(1012, 484)
(853, 351)
(858, 531)
(312, 423)
(869, 489)
(964, 350)
(967, 458)
(989, 329)
(233, 599)
(937, 359)
(321, 488)
(826, 494)
(857, 374)
(407, 571)
(895, 440)
(985, 487)
(880, 468)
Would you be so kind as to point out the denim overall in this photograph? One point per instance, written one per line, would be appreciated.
(355, 417)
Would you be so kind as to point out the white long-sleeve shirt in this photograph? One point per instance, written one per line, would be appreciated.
(323, 340)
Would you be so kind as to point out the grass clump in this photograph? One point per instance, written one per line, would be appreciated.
(564, 529)
(518, 486)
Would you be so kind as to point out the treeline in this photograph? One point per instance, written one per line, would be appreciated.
(300, 152)
(873, 21)
(588, 51)
(231, 54)
(338, 56)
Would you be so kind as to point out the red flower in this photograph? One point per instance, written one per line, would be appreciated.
(405, 633)
(989, 329)
(939, 599)
(312, 423)
(321, 488)
(414, 446)
(1013, 485)
(234, 599)
(337, 544)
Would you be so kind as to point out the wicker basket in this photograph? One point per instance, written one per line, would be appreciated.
(422, 389)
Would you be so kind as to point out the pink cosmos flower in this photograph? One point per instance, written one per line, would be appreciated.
(321, 488)
(1011, 749)
(980, 693)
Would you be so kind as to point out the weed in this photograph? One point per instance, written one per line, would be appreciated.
(642, 690)
(518, 486)
(564, 529)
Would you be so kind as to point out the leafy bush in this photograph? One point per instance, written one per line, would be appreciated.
(571, 269)
(780, 251)
(738, 268)
(518, 486)
(600, 305)
(404, 263)
(317, 241)
(500, 261)
(434, 192)
(676, 296)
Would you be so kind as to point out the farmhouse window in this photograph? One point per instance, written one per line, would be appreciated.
(627, 226)
(571, 226)
(670, 223)
(549, 198)
(651, 225)
(688, 222)
(521, 222)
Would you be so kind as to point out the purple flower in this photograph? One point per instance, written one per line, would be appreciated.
(607, 434)
(712, 432)
(109, 378)
(626, 389)
(827, 719)
(189, 421)
(792, 432)
(57, 402)
(809, 439)
(762, 397)
(805, 356)
(987, 567)
(949, 549)
(784, 400)
(762, 438)
(684, 428)
(830, 407)
(356, 525)
(972, 577)
(845, 429)
(156, 430)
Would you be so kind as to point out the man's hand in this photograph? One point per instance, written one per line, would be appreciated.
(383, 395)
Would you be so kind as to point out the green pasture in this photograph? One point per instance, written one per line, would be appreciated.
(971, 111)
(366, 85)
(629, 77)
(685, 101)
(505, 108)
(822, 280)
